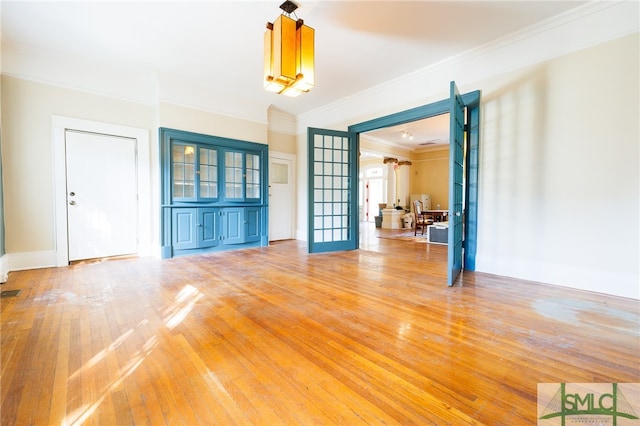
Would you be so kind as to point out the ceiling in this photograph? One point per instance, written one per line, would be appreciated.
(209, 53)
(420, 135)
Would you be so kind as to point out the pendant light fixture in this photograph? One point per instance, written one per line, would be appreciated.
(288, 54)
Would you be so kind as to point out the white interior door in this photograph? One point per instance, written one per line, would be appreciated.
(102, 207)
(281, 196)
(376, 197)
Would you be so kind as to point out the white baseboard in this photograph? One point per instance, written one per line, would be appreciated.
(4, 269)
(606, 281)
(44, 259)
(30, 260)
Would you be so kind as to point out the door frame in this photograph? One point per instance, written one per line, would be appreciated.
(60, 125)
(292, 159)
(366, 188)
(472, 103)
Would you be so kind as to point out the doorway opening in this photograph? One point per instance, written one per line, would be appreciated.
(468, 213)
(422, 166)
(372, 185)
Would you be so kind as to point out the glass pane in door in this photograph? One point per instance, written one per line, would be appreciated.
(332, 188)
(279, 173)
(253, 176)
(183, 158)
(208, 173)
(233, 174)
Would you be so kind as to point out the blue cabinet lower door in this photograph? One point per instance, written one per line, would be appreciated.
(208, 227)
(195, 228)
(233, 225)
(183, 230)
(252, 226)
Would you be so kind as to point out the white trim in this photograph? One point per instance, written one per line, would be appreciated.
(258, 114)
(287, 157)
(619, 283)
(83, 89)
(59, 125)
(30, 260)
(4, 269)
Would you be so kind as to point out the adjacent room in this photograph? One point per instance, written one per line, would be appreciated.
(319, 212)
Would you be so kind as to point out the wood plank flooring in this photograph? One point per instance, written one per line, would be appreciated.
(275, 336)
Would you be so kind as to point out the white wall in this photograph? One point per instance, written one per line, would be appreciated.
(27, 109)
(559, 171)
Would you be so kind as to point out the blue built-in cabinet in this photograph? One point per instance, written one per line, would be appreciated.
(214, 193)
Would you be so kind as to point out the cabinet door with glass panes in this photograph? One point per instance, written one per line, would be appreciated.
(242, 176)
(194, 172)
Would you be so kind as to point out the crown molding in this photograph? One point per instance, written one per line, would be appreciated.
(105, 94)
(583, 27)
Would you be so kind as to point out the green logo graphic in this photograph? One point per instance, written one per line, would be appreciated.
(587, 403)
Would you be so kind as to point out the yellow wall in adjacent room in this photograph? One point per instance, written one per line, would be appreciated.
(430, 175)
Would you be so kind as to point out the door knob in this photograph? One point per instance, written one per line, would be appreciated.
(72, 193)
(72, 203)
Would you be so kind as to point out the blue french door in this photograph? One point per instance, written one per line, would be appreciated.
(333, 198)
(456, 184)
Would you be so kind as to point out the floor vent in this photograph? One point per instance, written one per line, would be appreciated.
(9, 293)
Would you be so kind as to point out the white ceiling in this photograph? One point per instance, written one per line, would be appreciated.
(209, 53)
(421, 135)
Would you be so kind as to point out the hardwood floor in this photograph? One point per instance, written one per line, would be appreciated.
(275, 336)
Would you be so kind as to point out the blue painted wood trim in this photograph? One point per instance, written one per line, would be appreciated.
(310, 157)
(165, 232)
(473, 168)
(402, 117)
(472, 102)
(417, 113)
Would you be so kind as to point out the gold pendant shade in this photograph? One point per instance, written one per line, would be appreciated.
(288, 56)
